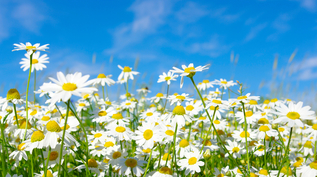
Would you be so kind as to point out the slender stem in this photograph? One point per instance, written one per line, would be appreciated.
(16, 115)
(63, 138)
(34, 84)
(32, 166)
(86, 137)
(3, 160)
(190, 129)
(208, 132)
(265, 164)
(286, 152)
(246, 136)
(174, 143)
(27, 97)
(168, 87)
(315, 158)
(103, 92)
(222, 92)
(47, 160)
(148, 164)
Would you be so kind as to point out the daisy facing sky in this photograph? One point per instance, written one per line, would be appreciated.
(37, 61)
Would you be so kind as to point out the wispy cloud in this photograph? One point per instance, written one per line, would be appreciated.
(281, 25)
(306, 69)
(148, 17)
(191, 12)
(223, 15)
(255, 31)
(212, 48)
(310, 5)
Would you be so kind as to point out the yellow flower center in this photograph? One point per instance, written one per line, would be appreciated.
(148, 134)
(253, 175)
(29, 47)
(207, 142)
(287, 171)
(53, 155)
(242, 134)
(92, 163)
(117, 116)
(314, 126)
(216, 122)
(189, 108)
(102, 113)
(221, 175)
(192, 161)
(308, 144)
(45, 118)
(217, 101)
(81, 104)
(263, 121)
(148, 150)
(242, 97)
(48, 174)
(213, 108)
(235, 150)
(264, 128)
(149, 114)
(116, 155)
(297, 164)
(293, 115)
(109, 144)
(313, 165)
(33, 112)
(266, 102)
(253, 102)
(166, 170)
(128, 104)
(281, 129)
(131, 163)
(169, 132)
(126, 69)
(248, 113)
(102, 76)
(120, 129)
(189, 70)
(23, 124)
(20, 147)
(166, 155)
(223, 82)
(167, 78)
(53, 126)
(97, 135)
(69, 86)
(37, 136)
(274, 100)
(202, 118)
(34, 61)
(180, 97)
(159, 95)
(205, 81)
(184, 143)
(13, 94)
(179, 110)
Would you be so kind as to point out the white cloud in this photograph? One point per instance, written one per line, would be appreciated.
(310, 5)
(223, 16)
(280, 24)
(212, 48)
(254, 31)
(191, 12)
(149, 15)
(306, 69)
(28, 16)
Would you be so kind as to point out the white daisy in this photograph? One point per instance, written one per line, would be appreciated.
(37, 61)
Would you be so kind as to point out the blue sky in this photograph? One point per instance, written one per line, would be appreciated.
(83, 36)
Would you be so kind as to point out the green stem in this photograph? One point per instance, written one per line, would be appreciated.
(190, 127)
(246, 136)
(103, 92)
(47, 160)
(86, 137)
(3, 160)
(286, 152)
(63, 138)
(174, 143)
(168, 87)
(265, 164)
(148, 164)
(315, 158)
(16, 115)
(27, 96)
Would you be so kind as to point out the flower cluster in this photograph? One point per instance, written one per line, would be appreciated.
(160, 135)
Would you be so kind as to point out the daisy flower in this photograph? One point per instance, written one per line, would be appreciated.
(54, 156)
(115, 155)
(144, 90)
(19, 154)
(120, 131)
(163, 172)
(93, 165)
(37, 61)
(179, 98)
(29, 47)
(131, 163)
(240, 135)
(178, 116)
(13, 96)
(308, 170)
(102, 80)
(167, 77)
(246, 98)
(82, 105)
(264, 130)
(65, 87)
(204, 85)
(189, 71)
(49, 173)
(36, 141)
(293, 114)
(193, 107)
(235, 148)
(126, 73)
(147, 134)
(223, 83)
(184, 147)
(191, 162)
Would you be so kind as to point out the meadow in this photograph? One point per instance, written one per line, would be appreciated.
(77, 130)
